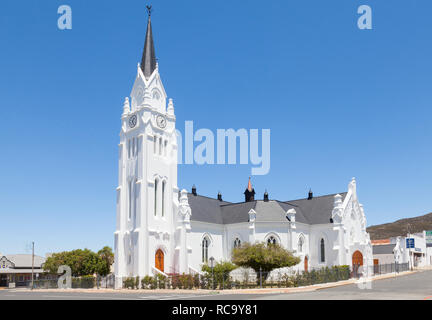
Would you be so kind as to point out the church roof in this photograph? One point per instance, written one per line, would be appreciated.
(314, 211)
(148, 62)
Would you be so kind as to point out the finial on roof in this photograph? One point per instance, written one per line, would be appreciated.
(149, 10)
(266, 196)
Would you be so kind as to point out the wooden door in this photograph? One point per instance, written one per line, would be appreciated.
(306, 260)
(159, 260)
(357, 258)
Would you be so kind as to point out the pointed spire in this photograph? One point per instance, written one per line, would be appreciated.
(249, 185)
(249, 192)
(148, 61)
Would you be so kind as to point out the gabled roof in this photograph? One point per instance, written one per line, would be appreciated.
(25, 260)
(383, 249)
(317, 210)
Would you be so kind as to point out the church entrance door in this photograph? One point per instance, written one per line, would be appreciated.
(159, 260)
(357, 262)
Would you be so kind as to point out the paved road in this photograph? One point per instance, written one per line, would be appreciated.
(413, 286)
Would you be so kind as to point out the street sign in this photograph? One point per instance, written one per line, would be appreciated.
(428, 238)
(410, 243)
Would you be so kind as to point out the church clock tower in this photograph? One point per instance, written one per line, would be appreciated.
(147, 192)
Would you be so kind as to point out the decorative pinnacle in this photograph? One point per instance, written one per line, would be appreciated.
(149, 10)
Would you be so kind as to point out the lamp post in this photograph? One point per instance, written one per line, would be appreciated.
(212, 268)
(32, 281)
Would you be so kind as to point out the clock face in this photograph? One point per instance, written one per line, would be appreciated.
(133, 121)
(161, 121)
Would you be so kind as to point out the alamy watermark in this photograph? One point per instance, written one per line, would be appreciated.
(227, 146)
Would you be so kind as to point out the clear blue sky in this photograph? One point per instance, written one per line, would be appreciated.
(340, 102)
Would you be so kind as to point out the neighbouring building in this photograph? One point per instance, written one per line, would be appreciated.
(395, 250)
(16, 269)
(160, 229)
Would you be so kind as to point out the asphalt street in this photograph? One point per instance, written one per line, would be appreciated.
(417, 286)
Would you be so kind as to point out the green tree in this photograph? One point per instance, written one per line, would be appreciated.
(82, 262)
(106, 260)
(266, 257)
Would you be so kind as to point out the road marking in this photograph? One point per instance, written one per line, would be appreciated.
(154, 297)
(188, 296)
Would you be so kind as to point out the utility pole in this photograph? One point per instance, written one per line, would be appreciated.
(32, 283)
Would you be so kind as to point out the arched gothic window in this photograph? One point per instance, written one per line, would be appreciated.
(300, 244)
(155, 196)
(205, 246)
(163, 198)
(130, 200)
(322, 250)
(237, 243)
(271, 240)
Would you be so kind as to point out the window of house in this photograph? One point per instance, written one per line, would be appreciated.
(300, 244)
(160, 146)
(163, 198)
(237, 243)
(271, 240)
(130, 199)
(155, 196)
(322, 250)
(205, 246)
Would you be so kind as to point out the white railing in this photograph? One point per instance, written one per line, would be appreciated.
(194, 271)
(157, 271)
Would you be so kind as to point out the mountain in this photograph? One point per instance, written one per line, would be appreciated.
(400, 227)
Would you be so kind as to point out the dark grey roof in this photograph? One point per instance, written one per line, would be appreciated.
(205, 209)
(148, 62)
(383, 249)
(315, 211)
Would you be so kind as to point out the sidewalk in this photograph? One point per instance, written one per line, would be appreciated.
(237, 291)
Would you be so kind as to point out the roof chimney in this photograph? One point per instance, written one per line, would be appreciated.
(249, 192)
(266, 198)
(310, 195)
(219, 196)
(194, 190)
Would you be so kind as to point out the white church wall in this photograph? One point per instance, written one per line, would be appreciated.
(233, 231)
(215, 233)
(318, 232)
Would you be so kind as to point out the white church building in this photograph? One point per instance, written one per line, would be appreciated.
(160, 229)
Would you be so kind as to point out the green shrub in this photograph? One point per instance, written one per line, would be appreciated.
(146, 282)
(129, 283)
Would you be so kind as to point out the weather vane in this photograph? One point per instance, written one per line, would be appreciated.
(149, 10)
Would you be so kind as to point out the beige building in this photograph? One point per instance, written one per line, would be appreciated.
(16, 269)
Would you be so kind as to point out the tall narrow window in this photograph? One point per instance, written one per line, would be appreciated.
(237, 243)
(130, 199)
(300, 244)
(322, 249)
(160, 146)
(129, 149)
(155, 196)
(154, 144)
(205, 246)
(163, 198)
(165, 148)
